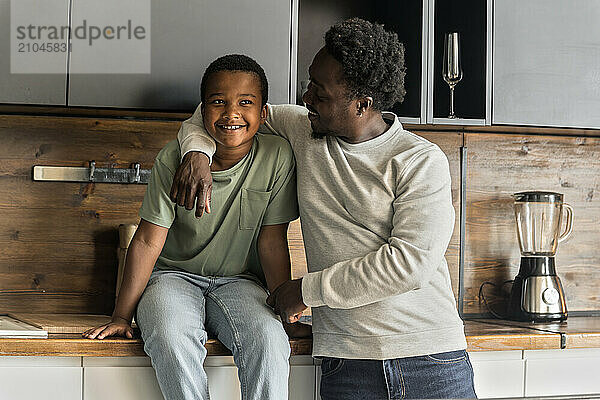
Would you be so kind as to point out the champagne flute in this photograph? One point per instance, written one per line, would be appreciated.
(451, 69)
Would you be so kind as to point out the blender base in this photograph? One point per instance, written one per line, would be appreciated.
(537, 294)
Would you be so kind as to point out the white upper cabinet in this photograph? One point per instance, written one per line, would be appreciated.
(185, 36)
(31, 56)
(547, 63)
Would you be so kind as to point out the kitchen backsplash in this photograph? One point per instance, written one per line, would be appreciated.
(58, 240)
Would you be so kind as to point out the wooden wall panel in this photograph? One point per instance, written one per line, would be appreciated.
(450, 143)
(502, 164)
(58, 240)
(297, 254)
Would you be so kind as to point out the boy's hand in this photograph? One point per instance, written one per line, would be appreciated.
(297, 330)
(117, 327)
(193, 180)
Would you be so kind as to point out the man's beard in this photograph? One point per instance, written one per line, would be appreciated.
(318, 135)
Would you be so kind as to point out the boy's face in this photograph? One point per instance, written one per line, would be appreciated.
(232, 108)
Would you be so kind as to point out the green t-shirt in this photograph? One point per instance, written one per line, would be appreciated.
(259, 190)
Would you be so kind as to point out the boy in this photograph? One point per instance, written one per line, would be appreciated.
(207, 273)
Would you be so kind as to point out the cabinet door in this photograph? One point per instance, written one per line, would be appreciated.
(185, 36)
(562, 372)
(223, 383)
(131, 383)
(51, 378)
(498, 373)
(120, 383)
(133, 378)
(24, 85)
(546, 62)
(302, 379)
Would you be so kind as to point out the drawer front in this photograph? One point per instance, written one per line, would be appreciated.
(48, 383)
(121, 383)
(495, 379)
(547, 377)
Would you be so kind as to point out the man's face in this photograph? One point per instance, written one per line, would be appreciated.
(232, 108)
(330, 110)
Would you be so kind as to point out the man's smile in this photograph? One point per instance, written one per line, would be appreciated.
(312, 114)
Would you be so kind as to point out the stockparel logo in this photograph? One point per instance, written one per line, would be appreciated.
(93, 36)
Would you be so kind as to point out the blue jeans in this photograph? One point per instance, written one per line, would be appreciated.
(178, 310)
(436, 376)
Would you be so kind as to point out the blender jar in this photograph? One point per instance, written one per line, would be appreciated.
(539, 218)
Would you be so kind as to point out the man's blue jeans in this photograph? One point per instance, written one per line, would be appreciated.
(436, 376)
(178, 309)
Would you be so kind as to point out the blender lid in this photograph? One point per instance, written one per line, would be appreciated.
(538, 196)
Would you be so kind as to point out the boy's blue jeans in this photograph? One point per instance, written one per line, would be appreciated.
(178, 309)
(436, 376)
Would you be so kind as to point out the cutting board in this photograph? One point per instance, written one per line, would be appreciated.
(63, 323)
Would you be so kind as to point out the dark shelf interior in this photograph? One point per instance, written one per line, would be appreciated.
(469, 18)
(405, 18)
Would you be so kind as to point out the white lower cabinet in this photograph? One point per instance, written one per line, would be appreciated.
(131, 378)
(532, 373)
(302, 378)
(119, 378)
(120, 383)
(48, 378)
(498, 373)
(561, 372)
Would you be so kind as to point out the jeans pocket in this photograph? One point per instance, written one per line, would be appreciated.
(446, 375)
(330, 366)
(449, 357)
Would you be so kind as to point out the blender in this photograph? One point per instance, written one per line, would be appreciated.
(537, 294)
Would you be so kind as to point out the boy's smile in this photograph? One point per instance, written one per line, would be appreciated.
(232, 111)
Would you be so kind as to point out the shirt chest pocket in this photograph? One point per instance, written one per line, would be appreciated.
(253, 204)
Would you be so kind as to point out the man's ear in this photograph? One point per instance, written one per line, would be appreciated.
(263, 113)
(202, 109)
(363, 104)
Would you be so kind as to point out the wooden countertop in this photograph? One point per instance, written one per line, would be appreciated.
(576, 332)
(482, 335)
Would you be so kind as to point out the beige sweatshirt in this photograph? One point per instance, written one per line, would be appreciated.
(377, 218)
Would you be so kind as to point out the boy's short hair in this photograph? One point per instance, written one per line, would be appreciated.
(237, 62)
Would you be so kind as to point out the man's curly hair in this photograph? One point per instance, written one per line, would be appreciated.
(372, 61)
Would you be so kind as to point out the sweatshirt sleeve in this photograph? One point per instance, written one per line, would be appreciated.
(288, 121)
(423, 221)
(192, 136)
(283, 120)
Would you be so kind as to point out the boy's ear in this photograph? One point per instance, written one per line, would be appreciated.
(263, 113)
(202, 108)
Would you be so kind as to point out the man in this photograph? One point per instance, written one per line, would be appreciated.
(377, 217)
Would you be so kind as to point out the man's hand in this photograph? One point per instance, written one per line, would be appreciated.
(286, 300)
(193, 180)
